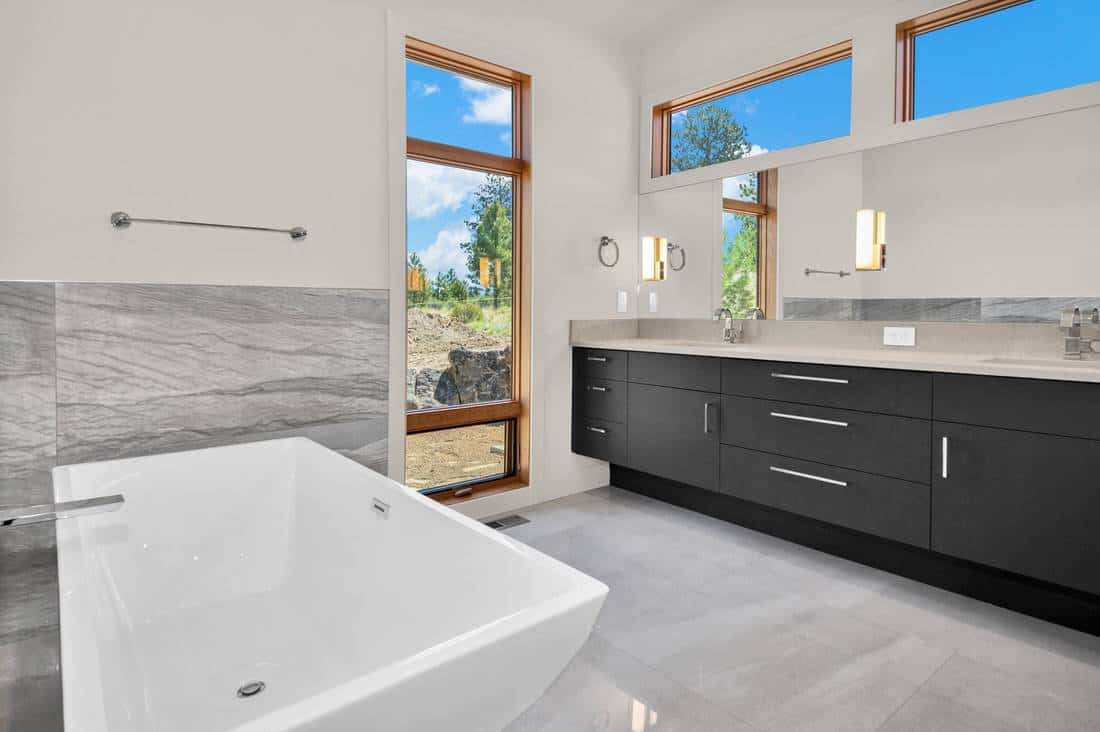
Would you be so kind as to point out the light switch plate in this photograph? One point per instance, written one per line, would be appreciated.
(892, 336)
(652, 301)
(620, 302)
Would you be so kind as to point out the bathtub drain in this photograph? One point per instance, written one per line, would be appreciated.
(252, 688)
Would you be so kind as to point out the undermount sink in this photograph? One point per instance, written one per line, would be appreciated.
(1048, 362)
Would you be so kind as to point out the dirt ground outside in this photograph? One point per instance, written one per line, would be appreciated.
(446, 457)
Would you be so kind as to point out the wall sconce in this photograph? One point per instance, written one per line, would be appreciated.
(655, 258)
(417, 280)
(483, 274)
(870, 240)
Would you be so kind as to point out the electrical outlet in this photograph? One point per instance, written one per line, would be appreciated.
(620, 302)
(652, 301)
(899, 336)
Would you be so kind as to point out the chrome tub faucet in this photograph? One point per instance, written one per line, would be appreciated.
(22, 515)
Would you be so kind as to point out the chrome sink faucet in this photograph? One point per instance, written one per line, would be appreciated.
(729, 335)
(21, 515)
(1081, 338)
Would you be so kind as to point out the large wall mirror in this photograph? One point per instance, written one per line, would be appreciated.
(998, 224)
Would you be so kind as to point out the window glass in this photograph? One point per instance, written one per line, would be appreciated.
(446, 458)
(1025, 49)
(458, 286)
(742, 188)
(442, 106)
(809, 106)
(740, 256)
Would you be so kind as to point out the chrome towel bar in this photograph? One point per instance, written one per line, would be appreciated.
(121, 220)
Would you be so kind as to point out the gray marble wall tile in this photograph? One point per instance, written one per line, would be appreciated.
(927, 309)
(153, 368)
(27, 385)
(1032, 309)
(817, 308)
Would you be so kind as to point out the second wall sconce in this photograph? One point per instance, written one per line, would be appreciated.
(870, 240)
(655, 258)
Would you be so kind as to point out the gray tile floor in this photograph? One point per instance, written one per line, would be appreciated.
(710, 626)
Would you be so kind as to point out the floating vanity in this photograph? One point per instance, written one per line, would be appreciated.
(976, 473)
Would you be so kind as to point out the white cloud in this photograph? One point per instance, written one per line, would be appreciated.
(443, 254)
(425, 90)
(435, 188)
(489, 103)
(755, 150)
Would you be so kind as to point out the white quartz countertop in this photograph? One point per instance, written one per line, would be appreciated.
(909, 359)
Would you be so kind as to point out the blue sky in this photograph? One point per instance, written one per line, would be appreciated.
(808, 107)
(1026, 49)
(444, 107)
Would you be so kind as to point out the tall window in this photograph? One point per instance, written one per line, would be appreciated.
(986, 51)
(466, 177)
(749, 243)
(807, 99)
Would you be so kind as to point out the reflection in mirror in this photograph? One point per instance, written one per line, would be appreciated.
(993, 224)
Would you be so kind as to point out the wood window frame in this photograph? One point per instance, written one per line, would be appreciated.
(766, 212)
(661, 135)
(516, 411)
(907, 33)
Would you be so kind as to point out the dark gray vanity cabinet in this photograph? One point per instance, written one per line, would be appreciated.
(599, 404)
(673, 433)
(1002, 473)
(1018, 500)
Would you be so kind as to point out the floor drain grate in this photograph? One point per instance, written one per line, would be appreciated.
(507, 522)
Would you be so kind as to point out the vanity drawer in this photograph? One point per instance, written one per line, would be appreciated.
(899, 447)
(600, 399)
(681, 372)
(599, 439)
(886, 507)
(599, 363)
(904, 393)
(1067, 408)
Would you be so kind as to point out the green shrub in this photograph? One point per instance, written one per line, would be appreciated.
(466, 312)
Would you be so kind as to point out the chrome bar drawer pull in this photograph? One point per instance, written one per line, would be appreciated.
(943, 467)
(706, 418)
(797, 377)
(597, 430)
(598, 359)
(815, 420)
(808, 476)
(597, 388)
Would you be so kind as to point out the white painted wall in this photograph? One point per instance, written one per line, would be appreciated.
(1008, 210)
(254, 111)
(279, 112)
(691, 217)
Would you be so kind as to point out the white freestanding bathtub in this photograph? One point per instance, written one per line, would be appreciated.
(359, 604)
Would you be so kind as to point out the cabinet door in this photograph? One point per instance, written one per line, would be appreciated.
(673, 433)
(1019, 501)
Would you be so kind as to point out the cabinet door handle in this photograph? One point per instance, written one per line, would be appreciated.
(598, 359)
(797, 377)
(706, 416)
(597, 430)
(597, 388)
(808, 476)
(943, 456)
(815, 420)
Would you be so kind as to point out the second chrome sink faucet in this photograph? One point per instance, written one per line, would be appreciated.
(1080, 337)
